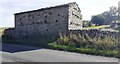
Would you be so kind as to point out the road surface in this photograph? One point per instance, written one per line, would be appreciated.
(47, 55)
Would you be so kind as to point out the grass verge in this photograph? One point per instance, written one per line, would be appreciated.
(91, 51)
(95, 27)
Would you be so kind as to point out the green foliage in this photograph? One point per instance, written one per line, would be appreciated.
(84, 40)
(95, 27)
(98, 20)
(118, 28)
(83, 43)
(85, 50)
(106, 17)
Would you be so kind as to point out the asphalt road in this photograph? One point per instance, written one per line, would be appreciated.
(16, 48)
(47, 55)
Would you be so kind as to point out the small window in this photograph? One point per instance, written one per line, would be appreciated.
(60, 28)
(75, 8)
(50, 12)
(71, 23)
(77, 16)
(32, 17)
(56, 20)
(58, 14)
(33, 22)
(29, 15)
(46, 16)
(45, 21)
(21, 24)
(23, 16)
(46, 29)
(20, 19)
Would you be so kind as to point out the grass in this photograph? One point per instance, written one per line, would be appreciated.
(95, 27)
(83, 43)
(92, 51)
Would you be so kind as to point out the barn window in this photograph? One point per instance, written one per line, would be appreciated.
(45, 21)
(56, 20)
(21, 24)
(23, 16)
(32, 17)
(46, 29)
(33, 22)
(60, 28)
(46, 16)
(75, 8)
(71, 23)
(20, 19)
(29, 15)
(50, 12)
(58, 14)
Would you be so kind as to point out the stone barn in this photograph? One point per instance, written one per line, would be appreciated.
(50, 20)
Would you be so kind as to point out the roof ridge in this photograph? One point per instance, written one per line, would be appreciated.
(48, 7)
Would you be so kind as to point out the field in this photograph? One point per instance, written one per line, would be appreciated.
(96, 27)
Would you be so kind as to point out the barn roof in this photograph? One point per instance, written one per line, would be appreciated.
(63, 5)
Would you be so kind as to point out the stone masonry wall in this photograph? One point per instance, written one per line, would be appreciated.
(49, 21)
(75, 17)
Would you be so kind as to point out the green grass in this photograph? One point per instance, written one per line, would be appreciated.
(95, 27)
(92, 51)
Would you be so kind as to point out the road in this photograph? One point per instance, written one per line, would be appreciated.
(47, 55)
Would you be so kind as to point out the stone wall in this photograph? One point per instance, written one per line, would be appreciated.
(48, 21)
(97, 33)
(119, 11)
(75, 17)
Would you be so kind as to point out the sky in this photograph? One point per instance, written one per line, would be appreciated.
(88, 8)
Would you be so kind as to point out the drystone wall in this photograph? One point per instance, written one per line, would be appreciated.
(97, 33)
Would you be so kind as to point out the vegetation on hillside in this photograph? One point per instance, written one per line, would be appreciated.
(106, 17)
(106, 46)
(95, 27)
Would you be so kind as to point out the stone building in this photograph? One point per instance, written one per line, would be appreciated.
(50, 20)
(119, 11)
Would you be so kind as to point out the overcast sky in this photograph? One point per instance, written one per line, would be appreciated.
(88, 7)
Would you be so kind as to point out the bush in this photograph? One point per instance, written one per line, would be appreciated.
(84, 40)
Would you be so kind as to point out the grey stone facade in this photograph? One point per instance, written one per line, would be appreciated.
(50, 20)
(119, 11)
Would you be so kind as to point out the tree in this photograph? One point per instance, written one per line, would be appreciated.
(98, 19)
(111, 15)
(106, 17)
